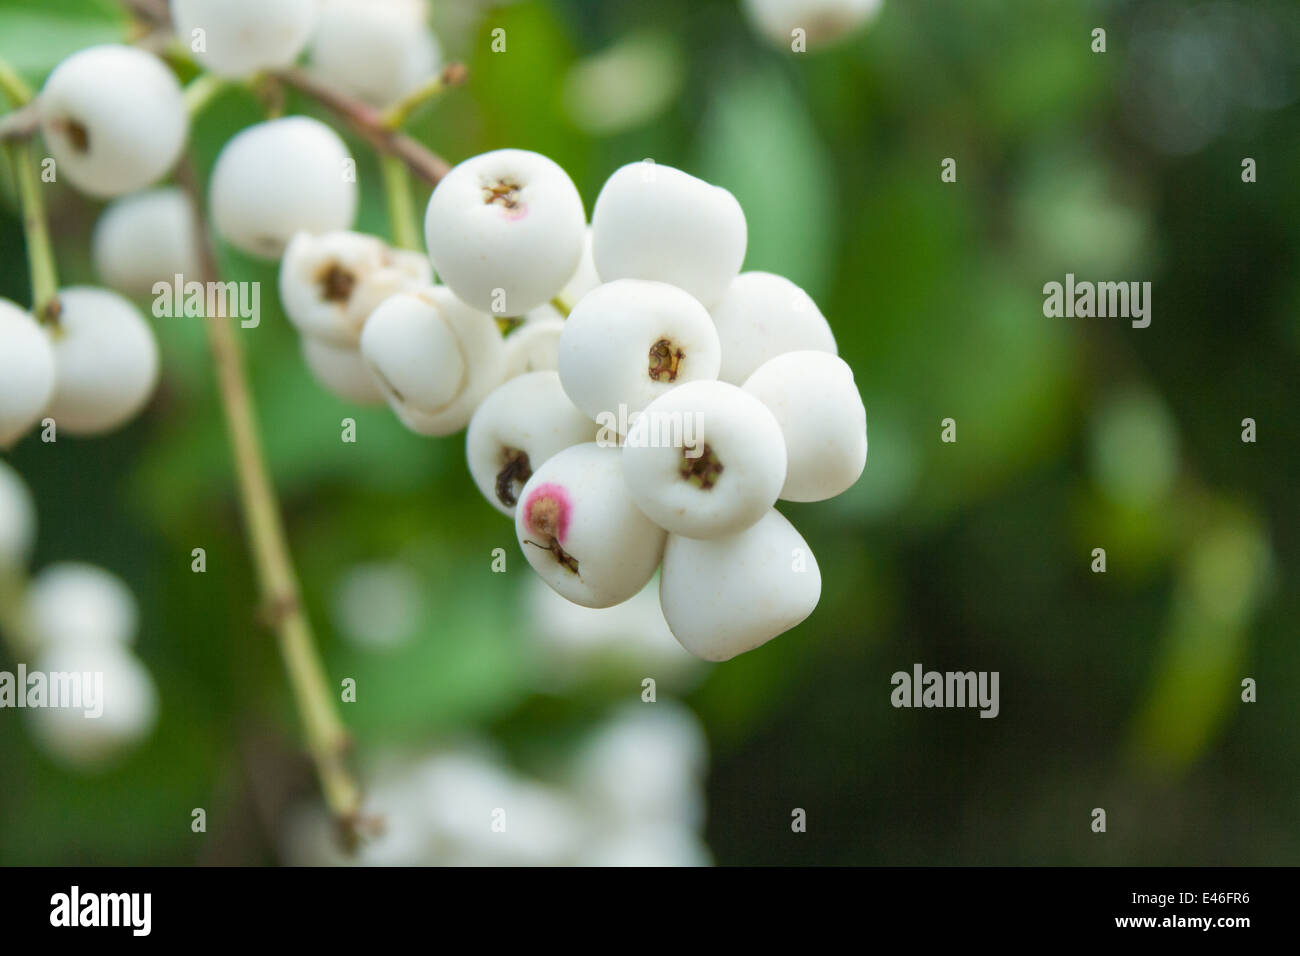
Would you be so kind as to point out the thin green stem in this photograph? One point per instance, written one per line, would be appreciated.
(561, 305)
(202, 90)
(36, 229)
(397, 115)
(401, 207)
(13, 86)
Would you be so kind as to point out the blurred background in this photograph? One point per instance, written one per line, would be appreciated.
(1120, 690)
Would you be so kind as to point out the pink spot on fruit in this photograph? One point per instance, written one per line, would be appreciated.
(547, 510)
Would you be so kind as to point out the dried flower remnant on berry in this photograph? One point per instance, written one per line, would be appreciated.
(503, 192)
(665, 361)
(336, 283)
(76, 133)
(513, 475)
(547, 513)
(701, 470)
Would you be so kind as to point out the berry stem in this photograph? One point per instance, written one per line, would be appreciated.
(201, 91)
(36, 230)
(401, 214)
(561, 305)
(368, 123)
(327, 738)
(13, 86)
(397, 115)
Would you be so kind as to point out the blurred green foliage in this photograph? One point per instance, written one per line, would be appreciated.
(1119, 690)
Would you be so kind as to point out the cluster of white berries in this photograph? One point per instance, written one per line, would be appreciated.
(822, 22)
(657, 425)
(631, 794)
(77, 620)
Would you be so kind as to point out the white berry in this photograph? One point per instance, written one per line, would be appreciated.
(26, 372)
(240, 37)
(341, 371)
(129, 706)
(377, 50)
(329, 284)
(519, 426)
(823, 22)
(113, 118)
(17, 520)
(580, 531)
(534, 346)
(106, 362)
(705, 460)
(761, 316)
(73, 603)
(146, 238)
(630, 341)
(434, 358)
(505, 230)
(820, 412)
(278, 178)
(725, 596)
(655, 222)
(584, 279)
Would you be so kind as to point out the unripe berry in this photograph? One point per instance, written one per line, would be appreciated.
(26, 372)
(105, 359)
(130, 706)
(823, 21)
(725, 596)
(146, 238)
(761, 316)
(434, 358)
(581, 532)
(820, 412)
(278, 178)
(505, 230)
(534, 346)
(705, 460)
(329, 284)
(630, 341)
(341, 371)
(238, 38)
(657, 222)
(377, 50)
(17, 520)
(519, 426)
(72, 603)
(113, 118)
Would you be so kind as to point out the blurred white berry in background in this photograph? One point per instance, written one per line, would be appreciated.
(78, 603)
(106, 361)
(237, 38)
(823, 21)
(26, 372)
(113, 118)
(377, 50)
(145, 238)
(340, 371)
(505, 231)
(379, 604)
(279, 178)
(17, 520)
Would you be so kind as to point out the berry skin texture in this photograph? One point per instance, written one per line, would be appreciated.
(821, 415)
(71, 603)
(434, 358)
(534, 346)
(725, 596)
(129, 700)
(377, 51)
(823, 21)
(113, 118)
(656, 222)
(519, 426)
(581, 532)
(341, 371)
(630, 341)
(705, 460)
(242, 37)
(505, 231)
(105, 359)
(146, 238)
(761, 316)
(278, 178)
(329, 284)
(26, 372)
(17, 520)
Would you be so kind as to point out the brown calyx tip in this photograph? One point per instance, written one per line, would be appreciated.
(514, 474)
(504, 192)
(703, 469)
(76, 132)
(665, 361)
(336, 283)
